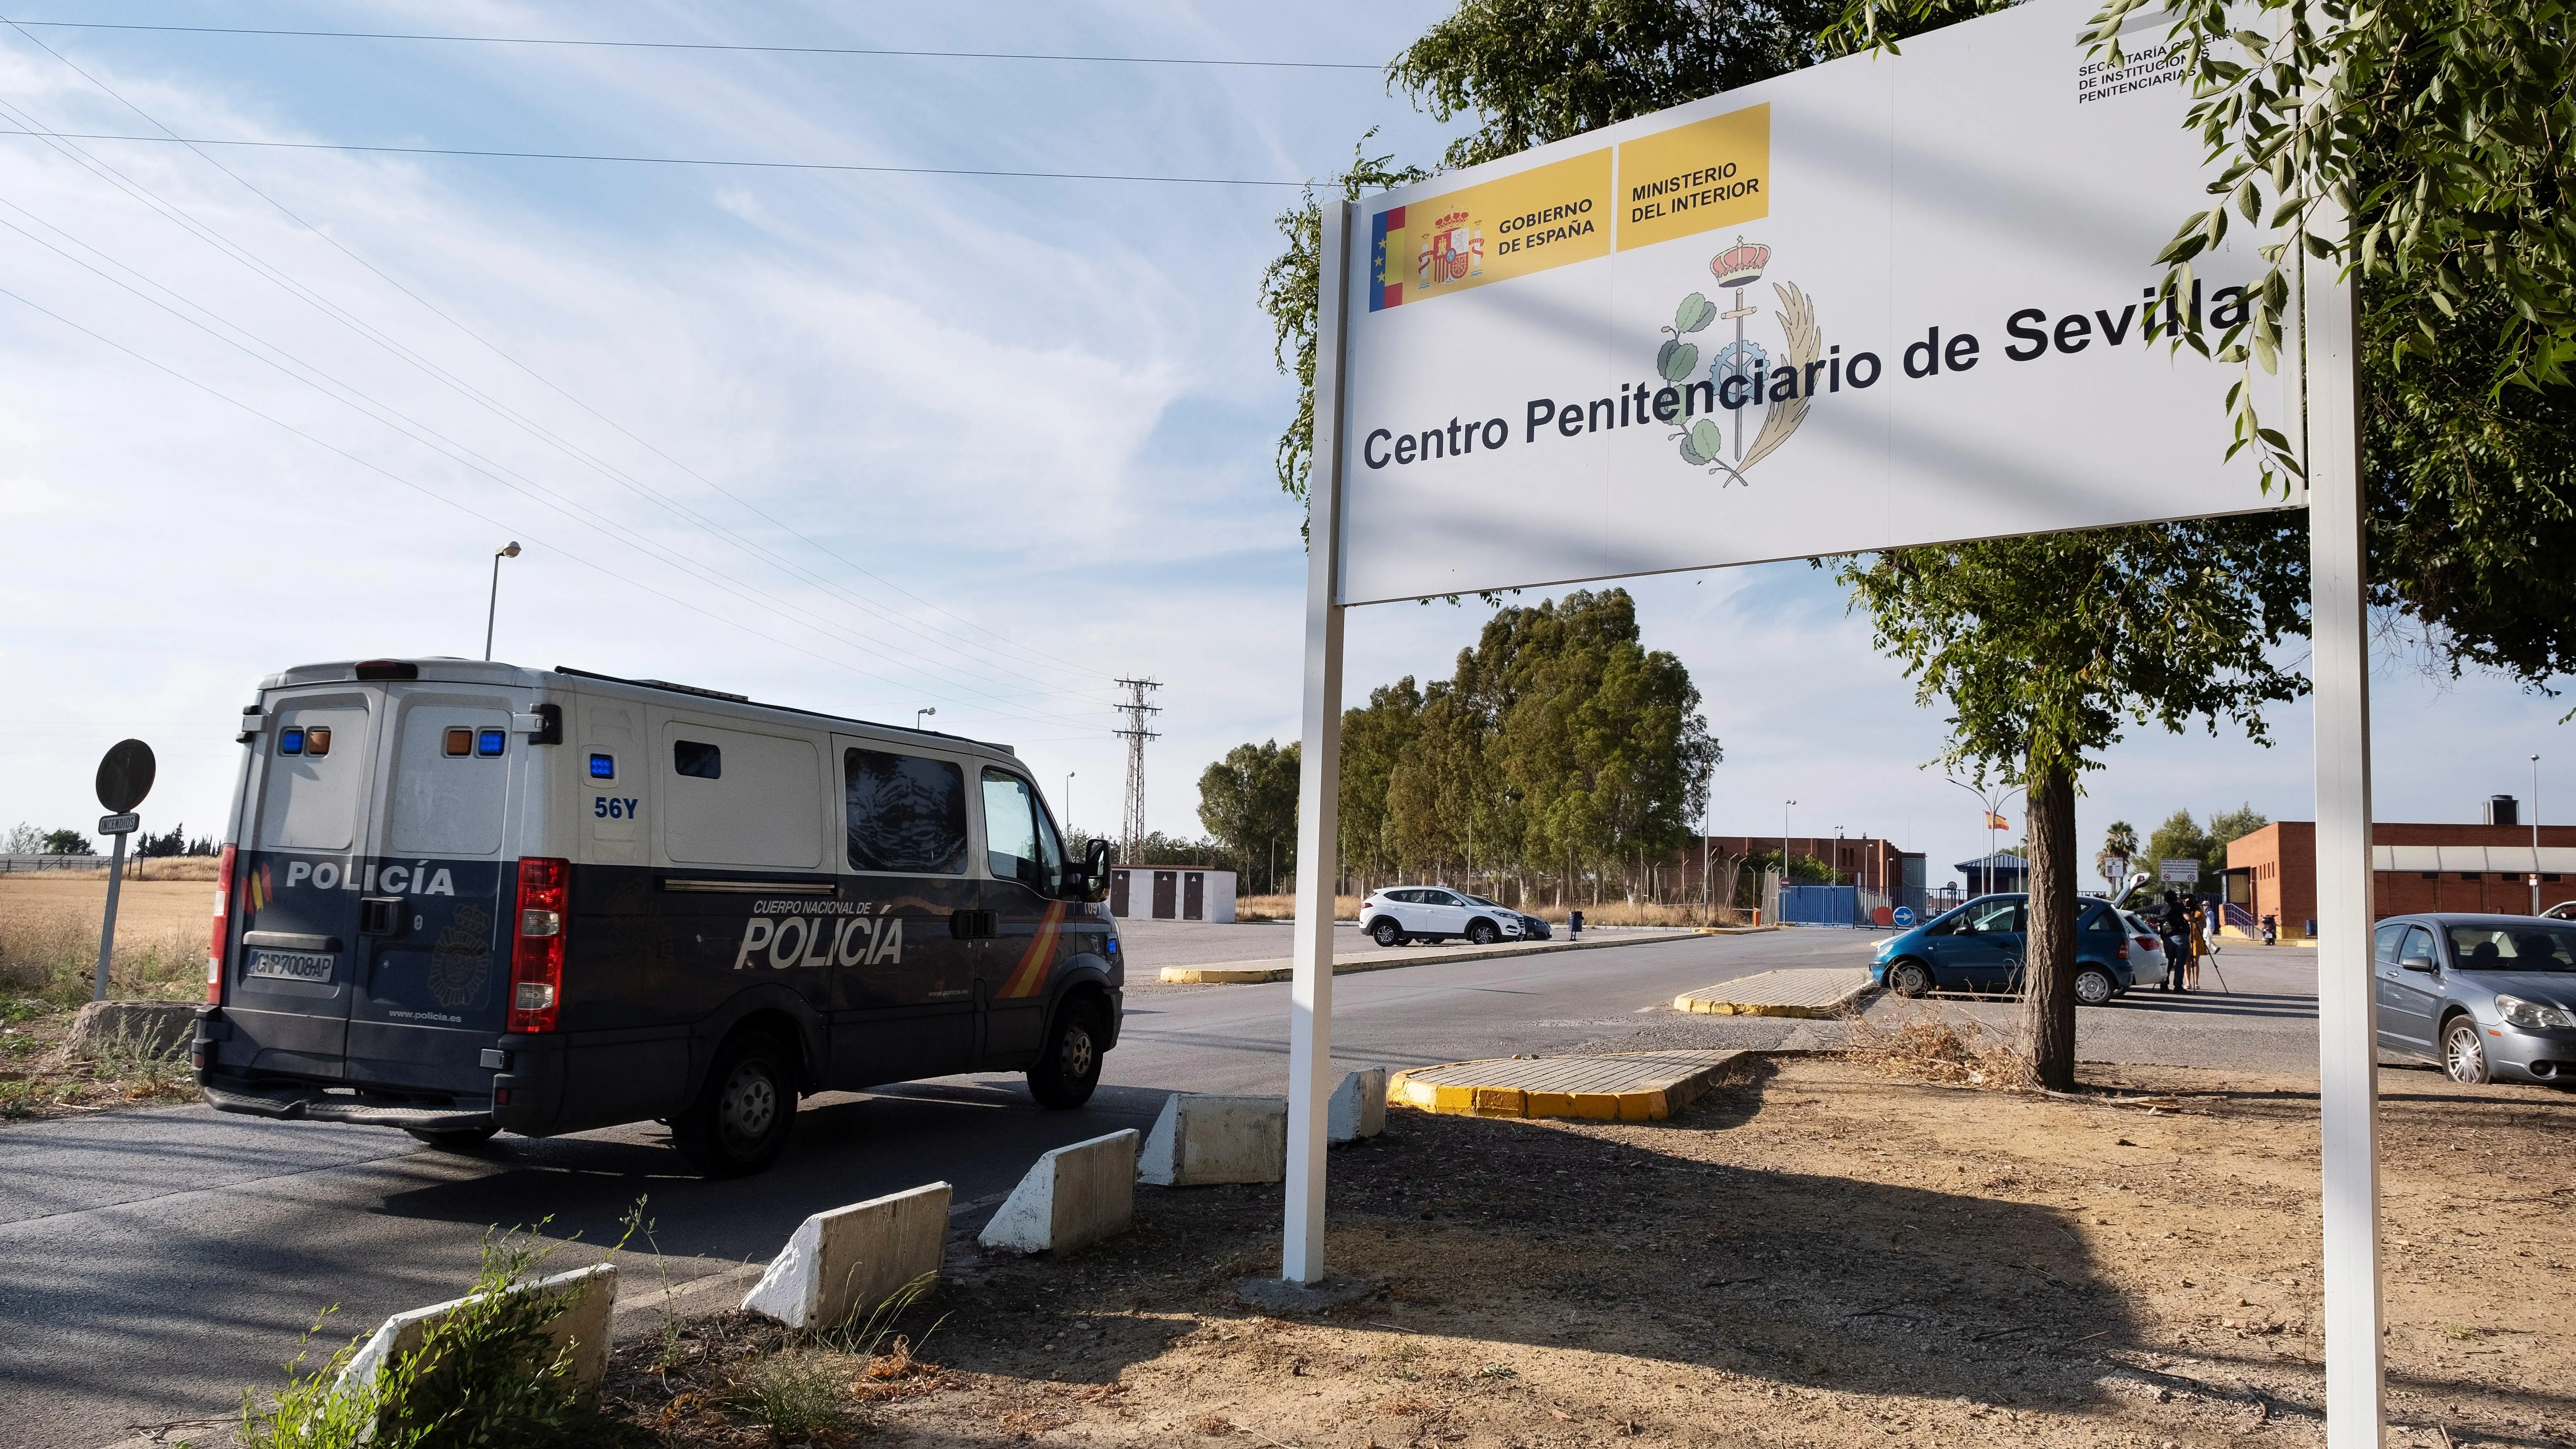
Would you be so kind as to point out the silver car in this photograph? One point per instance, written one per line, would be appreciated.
(2486, 997)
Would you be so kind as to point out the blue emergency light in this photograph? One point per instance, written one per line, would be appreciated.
(491, 742)
(290, 740)
(603, 767)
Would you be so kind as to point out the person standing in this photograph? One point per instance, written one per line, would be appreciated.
(2199, 945)
(2177, 935)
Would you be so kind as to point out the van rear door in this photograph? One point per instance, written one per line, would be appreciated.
(293, 977)
(431, 982)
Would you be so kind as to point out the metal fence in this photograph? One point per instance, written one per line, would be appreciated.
(21, 864)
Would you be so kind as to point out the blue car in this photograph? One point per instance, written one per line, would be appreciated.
(1979, 947)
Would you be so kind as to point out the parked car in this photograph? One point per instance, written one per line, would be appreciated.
(1397, 914)
(1979, 947)
(2563, 911)
(2146, 949)
(2482, 996)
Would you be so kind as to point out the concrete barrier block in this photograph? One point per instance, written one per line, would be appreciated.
(1203, 1140)
(583, 1326)
(1073, 1197)
(851, 1259)
(153, 1026)
(1358, 1108)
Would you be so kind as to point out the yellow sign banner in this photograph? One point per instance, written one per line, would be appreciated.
(1696, 178)
(1541, 218)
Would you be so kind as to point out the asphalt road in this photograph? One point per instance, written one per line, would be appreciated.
(153, 1263)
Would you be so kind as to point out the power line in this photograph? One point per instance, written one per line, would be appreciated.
(618, 532)
(828, 166)
(706, 45)
(435, 497)
(215, 238)
(342, 392)
(496, 349)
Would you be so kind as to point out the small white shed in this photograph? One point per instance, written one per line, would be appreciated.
(1171, 892)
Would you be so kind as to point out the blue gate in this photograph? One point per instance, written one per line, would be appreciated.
(1820, 905)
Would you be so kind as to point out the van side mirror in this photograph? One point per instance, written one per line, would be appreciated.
(1091, 882)
(2416, 963)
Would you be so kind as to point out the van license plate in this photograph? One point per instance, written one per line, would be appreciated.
(293, 965)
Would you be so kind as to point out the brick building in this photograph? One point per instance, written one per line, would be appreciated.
(2417, 868)
(1872, 864)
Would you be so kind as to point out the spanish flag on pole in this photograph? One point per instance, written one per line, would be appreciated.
(1997, 822)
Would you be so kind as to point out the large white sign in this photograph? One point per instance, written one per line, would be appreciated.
(1890, 300)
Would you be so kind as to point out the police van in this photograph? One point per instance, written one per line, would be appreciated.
(460, 898)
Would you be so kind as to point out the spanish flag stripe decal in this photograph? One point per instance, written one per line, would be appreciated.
(1032, 970)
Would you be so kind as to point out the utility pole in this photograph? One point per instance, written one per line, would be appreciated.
(1131, 846)
(2535, 835)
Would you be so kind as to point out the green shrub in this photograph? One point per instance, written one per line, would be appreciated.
(485, 1376)
(794, 1394)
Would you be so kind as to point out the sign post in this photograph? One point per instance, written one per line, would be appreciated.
(2347, 1012)
(1319, 783)
(124, 778)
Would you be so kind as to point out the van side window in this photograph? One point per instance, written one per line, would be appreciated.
(906, 813)
(697, 760)
(1019, 841)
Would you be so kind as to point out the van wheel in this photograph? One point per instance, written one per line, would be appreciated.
(456, 1139)
(738, 1125)
(1386, 932)
(1069, 1068)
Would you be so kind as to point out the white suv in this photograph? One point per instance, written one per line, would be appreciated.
(1399, 914)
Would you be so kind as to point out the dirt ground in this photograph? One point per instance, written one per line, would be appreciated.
(1817, 1255)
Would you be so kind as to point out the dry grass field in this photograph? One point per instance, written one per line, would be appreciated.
(48, 953)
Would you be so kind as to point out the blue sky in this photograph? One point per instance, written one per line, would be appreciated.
(858, 442)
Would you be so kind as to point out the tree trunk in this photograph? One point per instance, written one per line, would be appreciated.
(2048, 1004)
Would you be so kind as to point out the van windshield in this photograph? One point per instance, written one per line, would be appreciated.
(2513, 948)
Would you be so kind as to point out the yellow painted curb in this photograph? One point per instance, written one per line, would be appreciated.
(1219, 976)
(1648, 1103)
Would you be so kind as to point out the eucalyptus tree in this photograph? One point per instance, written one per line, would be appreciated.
(1374, 738)
(1248, 801)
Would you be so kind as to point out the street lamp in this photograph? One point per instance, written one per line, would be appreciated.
(1068, 796)
(1784, 840)
(919, 715)
(2535, 835)
(493, 608)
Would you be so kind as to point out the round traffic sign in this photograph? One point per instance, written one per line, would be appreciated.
(1905, 915)
(125, 776)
